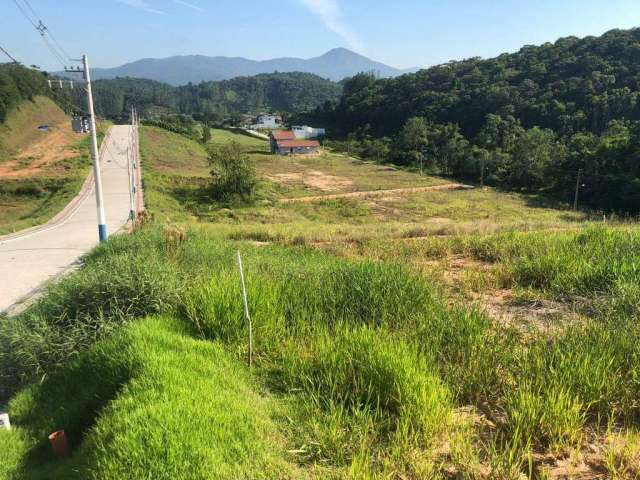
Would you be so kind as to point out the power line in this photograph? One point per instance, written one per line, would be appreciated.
(44, 27)
(32, 17)
(26, 15)
(54, 51)
(8, 55)
(31, 9)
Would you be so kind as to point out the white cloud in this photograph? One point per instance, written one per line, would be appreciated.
(189, 5)
(142, 5)
(329, 12)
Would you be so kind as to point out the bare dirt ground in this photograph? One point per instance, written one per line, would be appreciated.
(480, 284)
(377, 193)
(314, 179)
(50, 148)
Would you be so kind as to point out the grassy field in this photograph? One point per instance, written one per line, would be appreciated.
(178, 174)
(428, 334)
(40, 172)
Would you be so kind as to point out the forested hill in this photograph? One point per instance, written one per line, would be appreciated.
(532, 118)
(18, 83)
(335, 64)
(214, 101)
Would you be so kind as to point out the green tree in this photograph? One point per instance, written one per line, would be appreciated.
(206, 134)
(533, 154)
(447, 148)
(233, 173)
(413, 139)
(376, 149)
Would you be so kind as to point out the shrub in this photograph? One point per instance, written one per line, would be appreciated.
(233, 172)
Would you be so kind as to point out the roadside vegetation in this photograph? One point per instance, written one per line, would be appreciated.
(530, 120)
(373, 357)
(40, 171)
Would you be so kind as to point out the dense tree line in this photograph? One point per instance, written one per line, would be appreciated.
(181, 124)
(528, 120)
(114, 98)
(19, 83)
(216, 101)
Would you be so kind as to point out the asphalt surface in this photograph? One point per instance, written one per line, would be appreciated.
(29, 261)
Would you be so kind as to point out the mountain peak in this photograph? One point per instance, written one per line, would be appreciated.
(340, 51)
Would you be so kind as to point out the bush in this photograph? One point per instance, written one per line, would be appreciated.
(233, 172)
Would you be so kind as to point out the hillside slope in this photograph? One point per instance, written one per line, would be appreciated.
(20, 131)
(380, 348)
(40, 171)
(528, 120)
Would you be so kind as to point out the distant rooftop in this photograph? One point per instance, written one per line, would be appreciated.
(297, 143)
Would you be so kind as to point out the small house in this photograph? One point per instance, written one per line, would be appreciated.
(279, 135)
(306, 132)
(298, 147)
(267, 122)
(286, 143)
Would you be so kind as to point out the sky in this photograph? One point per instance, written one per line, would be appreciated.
(400, 33)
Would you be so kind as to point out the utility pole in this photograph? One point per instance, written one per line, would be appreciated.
(103, 234)
(575, 198)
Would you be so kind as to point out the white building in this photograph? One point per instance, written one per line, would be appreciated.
(266, 121)
(305, 132)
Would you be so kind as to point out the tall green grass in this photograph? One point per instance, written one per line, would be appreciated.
(150, 403)
(600, 265)
(126, 279)
(368, 359)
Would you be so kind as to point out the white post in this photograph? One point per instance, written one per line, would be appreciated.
(102, 220)
(246, 308)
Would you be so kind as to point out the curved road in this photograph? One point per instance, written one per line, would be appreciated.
(30, 260)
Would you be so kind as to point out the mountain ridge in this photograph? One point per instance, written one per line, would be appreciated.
(336, 64)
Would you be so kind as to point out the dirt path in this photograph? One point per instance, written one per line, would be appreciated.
(52, 147)
(378, 193)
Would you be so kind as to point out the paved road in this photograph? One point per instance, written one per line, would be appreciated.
(27, 262)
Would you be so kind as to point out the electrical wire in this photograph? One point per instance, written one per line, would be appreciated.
(55, 41)
(8, 55)
(32, 17)
(53, 51)
(26, 15)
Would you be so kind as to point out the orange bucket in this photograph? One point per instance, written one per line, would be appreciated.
(59, 444)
